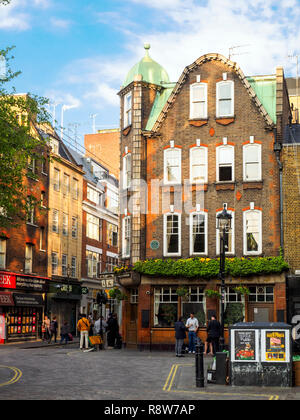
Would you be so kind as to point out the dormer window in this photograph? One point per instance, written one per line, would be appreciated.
(225, 99)
(198, 101)
(128, 109)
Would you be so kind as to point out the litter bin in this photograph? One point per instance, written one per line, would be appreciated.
(260, 354)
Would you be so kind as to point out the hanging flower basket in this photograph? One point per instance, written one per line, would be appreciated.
(183, 292)
(242, 290)
(213, 294)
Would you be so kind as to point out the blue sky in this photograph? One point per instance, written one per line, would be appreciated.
(78, 53)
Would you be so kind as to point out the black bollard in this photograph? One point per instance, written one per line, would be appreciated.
(199, 366)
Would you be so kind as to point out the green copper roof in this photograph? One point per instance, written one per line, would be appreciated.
(265, 89)
(151, 71)
(158, 105)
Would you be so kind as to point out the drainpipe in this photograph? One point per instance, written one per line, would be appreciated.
(277, 150)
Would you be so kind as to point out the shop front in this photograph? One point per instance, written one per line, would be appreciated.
(155, 305)
(22, 305)
(63, 301)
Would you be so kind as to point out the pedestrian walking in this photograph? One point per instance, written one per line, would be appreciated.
(213, 335)
(91, 321)
(53, 329)
(180, 335)
(46, 328)
(83, 326)
(192, 325)
(112, 331)
(64, 332)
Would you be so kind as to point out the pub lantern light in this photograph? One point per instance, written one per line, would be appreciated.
(224, 221)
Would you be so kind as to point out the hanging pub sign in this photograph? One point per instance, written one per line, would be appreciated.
(275, 346)
(244, 346)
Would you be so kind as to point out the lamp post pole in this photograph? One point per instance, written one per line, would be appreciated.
(224, 226)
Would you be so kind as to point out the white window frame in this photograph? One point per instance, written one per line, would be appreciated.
(75, 189)
(64, 265)
(74, 227)
(218, 151)
(74, 267)
(127, 171)
(192, 102)
(166, 151)
(126, 236)
(232, 213)
(3, 247)
(199, 213)
(54, 263)
(127, 110)
(55, 221)
(175, 254)
(28, 259)
(92, 227)
(110, 230)
(56, 180)
(193, 149)
(218, 85)
(65, 226)
(259, 251)
(66, 185)
(245, 148)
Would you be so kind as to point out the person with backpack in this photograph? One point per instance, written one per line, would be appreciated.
(83, 326)
(53, 330)
(180, 335)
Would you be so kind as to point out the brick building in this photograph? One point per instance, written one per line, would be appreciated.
(100, 207)
(196, 146)
(104, 146)
(23, 258)
(290, 158)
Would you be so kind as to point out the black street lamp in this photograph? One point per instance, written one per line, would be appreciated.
(69, 273)
(101, 300)
(224, 226)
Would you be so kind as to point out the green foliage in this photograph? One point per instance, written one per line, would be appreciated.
(19, 143)
(242, 290)
(212, 293)
(233, 313)
(116, 293)
(182, 291)
(209, 268)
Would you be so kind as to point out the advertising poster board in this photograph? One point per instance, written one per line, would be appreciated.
(244, 346)
(275, 346)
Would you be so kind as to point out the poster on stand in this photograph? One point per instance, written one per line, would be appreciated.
(244, 345)
(275, 346)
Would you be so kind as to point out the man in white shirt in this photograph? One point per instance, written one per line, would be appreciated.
(192, 325)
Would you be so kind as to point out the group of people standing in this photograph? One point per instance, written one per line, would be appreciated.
(108, 330)
(50, 330)
(192, 326)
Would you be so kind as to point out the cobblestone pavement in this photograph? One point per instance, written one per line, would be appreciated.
(65, 372)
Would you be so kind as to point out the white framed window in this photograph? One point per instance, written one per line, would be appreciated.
(56, 179)
(55, 225)
(54, 263)
(127, 171)
(134, 296)
(195, 303)
(112, 200)
(92, 227)
(28, 258)
(66, 186)
(198, 165)
(225, 99)
(172, 166)
(229, 236)
(30, 211)
(165, 306)
(198, 100)
(93, 264)
(31, 164)
(3, 253)
(65, 224)
(112, 234)
(64, 265)
(75, 189)
(252, 162)
(252, 232)
(127, 109)
(93, 195)
(74, 267)
(225, 163)
(198, 233)
(126, 234)
(74, 227)
(172, 234)
(54, 145)
(111, 263)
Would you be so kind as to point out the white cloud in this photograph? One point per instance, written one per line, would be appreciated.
(60, 23)
(17, 14)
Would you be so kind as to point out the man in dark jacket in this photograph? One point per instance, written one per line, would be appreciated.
(180, 335)
(213, 335)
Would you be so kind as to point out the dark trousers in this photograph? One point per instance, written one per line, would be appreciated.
(111, 339)
(53, 333)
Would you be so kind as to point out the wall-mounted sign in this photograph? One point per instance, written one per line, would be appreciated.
(154, 245)
(6, 299)
(275, 346)
(107, 283)
(244, 346)
(84, 290)
(7, 281)
(28, 300)
(32, 283)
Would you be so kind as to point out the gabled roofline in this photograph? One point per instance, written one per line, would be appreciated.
(203, 59)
